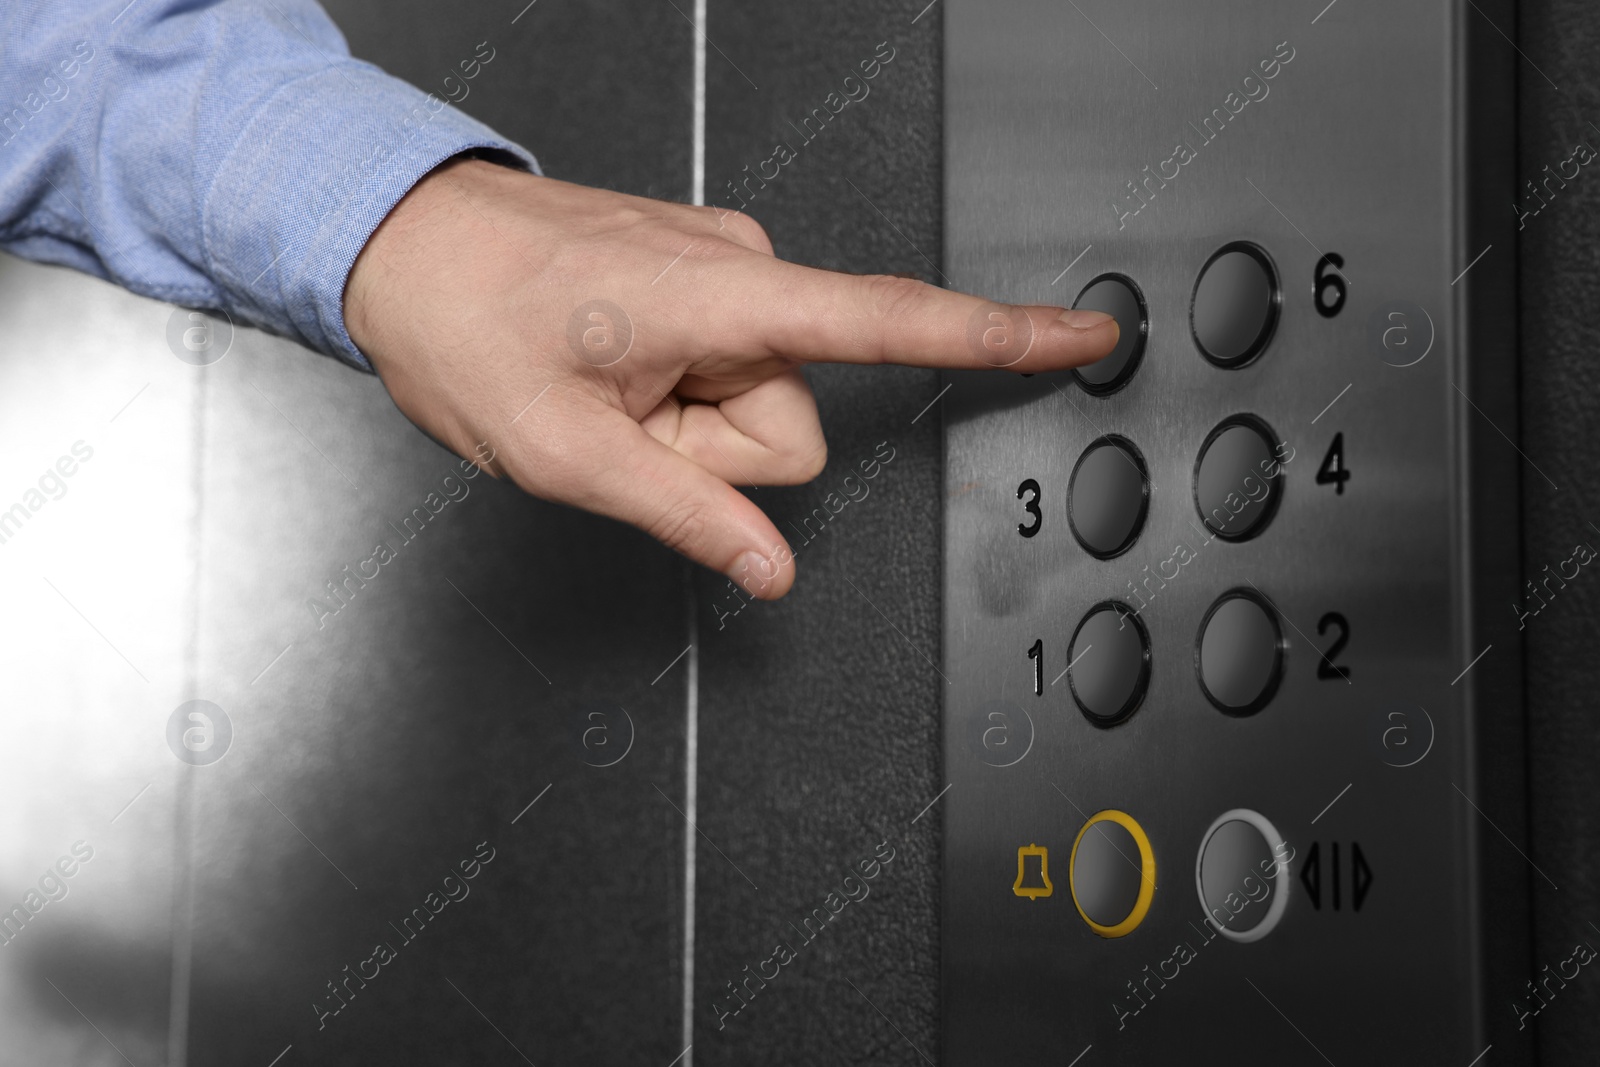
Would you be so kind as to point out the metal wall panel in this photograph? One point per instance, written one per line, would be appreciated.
(98, 579)
(392, 740)
(380, 746)
(1349, 144)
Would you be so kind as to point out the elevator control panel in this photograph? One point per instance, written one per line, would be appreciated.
(1217, 743)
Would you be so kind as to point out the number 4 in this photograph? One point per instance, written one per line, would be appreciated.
(1333, 469)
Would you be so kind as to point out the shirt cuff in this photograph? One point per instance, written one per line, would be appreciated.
(314, 171)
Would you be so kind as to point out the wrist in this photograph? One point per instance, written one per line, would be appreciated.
(375, 287)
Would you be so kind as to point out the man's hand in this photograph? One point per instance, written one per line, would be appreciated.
(634, 357)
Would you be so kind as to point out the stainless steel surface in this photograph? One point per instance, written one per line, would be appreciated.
(1350, 149)
(97, 576)
(363, 745)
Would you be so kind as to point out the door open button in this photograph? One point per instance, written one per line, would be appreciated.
(1242, 875)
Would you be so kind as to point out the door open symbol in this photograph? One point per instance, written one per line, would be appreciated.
(1021, 887)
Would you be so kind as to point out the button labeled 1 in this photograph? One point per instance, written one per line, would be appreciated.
(1108, 665)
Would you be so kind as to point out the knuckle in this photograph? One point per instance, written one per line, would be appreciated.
(746, 230)
(708, 248)
(630, 216)
(680, 526)
(798, 466)
(811, 466)
(893, 297)
(889, 300)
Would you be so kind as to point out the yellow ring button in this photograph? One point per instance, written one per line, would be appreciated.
(1112, 873)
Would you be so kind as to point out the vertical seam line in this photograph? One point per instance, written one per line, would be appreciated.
(697, 195)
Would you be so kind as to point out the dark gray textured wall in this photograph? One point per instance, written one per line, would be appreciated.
(1560, 293)
(819, 716)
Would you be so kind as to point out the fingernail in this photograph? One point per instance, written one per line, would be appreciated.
(1085, 320)
(752, 571)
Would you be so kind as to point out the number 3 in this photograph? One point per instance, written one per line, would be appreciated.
(1031, 507)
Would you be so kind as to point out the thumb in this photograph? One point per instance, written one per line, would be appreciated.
(688, 509)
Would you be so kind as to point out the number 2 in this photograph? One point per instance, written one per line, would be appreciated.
(1031, 507)
(1326, 667)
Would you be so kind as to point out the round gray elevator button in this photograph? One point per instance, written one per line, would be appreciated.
(1242, 875)
(1235, 305)
(1107, 496)
(1118, 297)
(1237, 480)
(1230, 875)
(1108, 663)
(1239, 653)
(1106, 873)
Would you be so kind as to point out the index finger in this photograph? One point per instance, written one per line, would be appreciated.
(822, 316)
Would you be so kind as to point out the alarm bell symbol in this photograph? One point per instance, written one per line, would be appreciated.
(1033, 892)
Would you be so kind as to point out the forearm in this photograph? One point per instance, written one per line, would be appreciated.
(228, 154)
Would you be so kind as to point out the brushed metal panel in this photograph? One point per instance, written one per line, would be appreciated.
(1351, 150)
(97, 581)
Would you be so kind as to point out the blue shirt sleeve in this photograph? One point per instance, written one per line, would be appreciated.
(225, 154)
